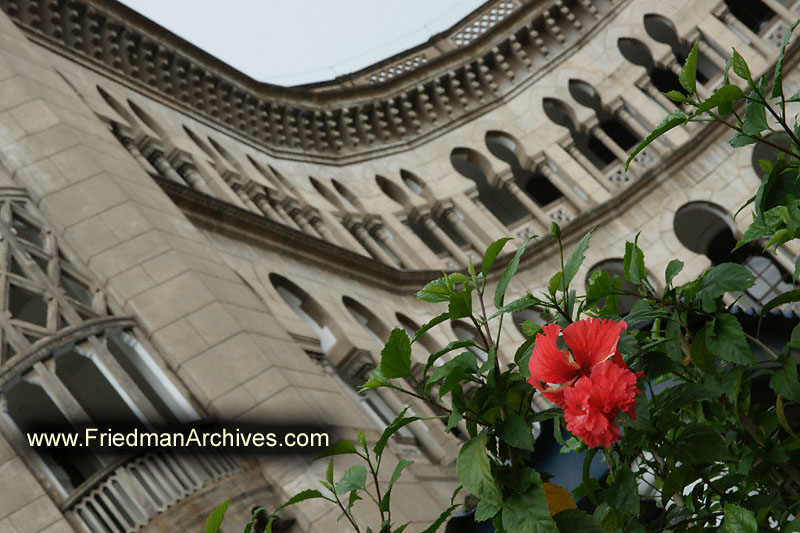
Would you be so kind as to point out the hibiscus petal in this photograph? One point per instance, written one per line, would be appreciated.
(548, 363)
(593, 340)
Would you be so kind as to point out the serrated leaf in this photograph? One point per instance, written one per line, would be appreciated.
(784, 381)
(329, 472)
(396, 355)
(354, 478)
(722, 98)
(214, 520)
(528, 512)
(701, 356)
(576, 258)
(434, 291)
(725, 338)
(460, 305)
(738, 140)
(777, 83)
(505, 279)
(340, 447)
(672, 399)
(673, 269)
(474, 470)
(517, 305)
(672, 120)
(486, 510)
(453, 345)
(394, 426)
(570, 520)
(633, 262)
(688, 74)
(755, 118)
(786, 297)
(429, 325)
(738, 520)
(491, 254)
(516, 432)
(433, 528)
(530, 328)
(308, 494)
(677, 96)
(700, 444)
(740, 66)
(622, 495)
(398, 470)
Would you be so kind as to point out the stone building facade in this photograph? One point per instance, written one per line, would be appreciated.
(180, 242)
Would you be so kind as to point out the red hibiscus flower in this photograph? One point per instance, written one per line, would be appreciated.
(590, 342)
(593, 402)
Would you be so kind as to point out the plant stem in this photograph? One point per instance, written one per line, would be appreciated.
(349, 518)
(783, 124)
(439, 406)
(761, 345)
(754, 137)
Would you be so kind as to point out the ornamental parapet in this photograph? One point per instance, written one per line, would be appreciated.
(345, 124)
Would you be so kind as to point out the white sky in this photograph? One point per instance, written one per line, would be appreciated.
(290, 42)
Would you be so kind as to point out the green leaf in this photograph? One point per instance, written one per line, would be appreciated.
(775, 185)
(433, 528)
(738, 140)
(670, 121)
(755, 118)
(727, 277)
(431, 324)
(777, 84)
(644, 311)
(517, 305)
(249, 526)
(570, 520)
(308, 494)
(376, 380)
(474, 470)
(784, 381)
(453, 345)
(486, 510)
(329, 472)
(677, 96)
(700, 444)
(673, 269)
(340, 447)
(575, 260)
(394, 426)
(622, 495)
(725, 339)
(794, 340)
(722, 98)
(738, 520)
(491, 254)
(460, 305)
(786, 297)
(672, 399)
(398, 470)
(396, 355)
(528, 512)
(355, 478)
(633, 262)
(466, 362)
(505, 279)
(530, 328)
(214, 520)
(516, 432)
(740, 67)
(688, 74)
(701, 356)
(434, 291)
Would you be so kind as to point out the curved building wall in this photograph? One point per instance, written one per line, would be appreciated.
(264, 277)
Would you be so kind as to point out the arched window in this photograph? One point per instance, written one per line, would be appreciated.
(306, 308)
(639, 54)
(585, 142)
(662, 30)
(532, 181)
(763, 153)
(503, 205)
(754, 14)
(706, 229)
(371, 324)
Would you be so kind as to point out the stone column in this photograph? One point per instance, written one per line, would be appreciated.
(357, 227)
(297, 215)
(376, 228)
(128, 143)
(781, 10)
(508, 183)
(448, 212)
(616, 149)
(589, 167)
(425, 219)
(319, 226)
(544, 168)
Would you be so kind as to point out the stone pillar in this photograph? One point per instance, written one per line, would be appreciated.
(781, 10)
(616, 149)
(296, 214)
(357, 227)
(319, 226)
(448, 212)
(376, 228)
(425, 219)
(508, 183)
(544, 168)
(128, 143)
(589, 167)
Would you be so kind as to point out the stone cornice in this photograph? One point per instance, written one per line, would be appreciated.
(331, 126)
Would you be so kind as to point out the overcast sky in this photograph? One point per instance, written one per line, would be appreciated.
(290, 42)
